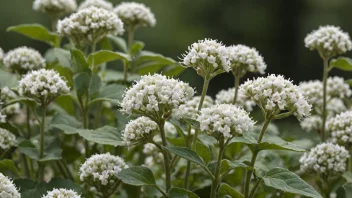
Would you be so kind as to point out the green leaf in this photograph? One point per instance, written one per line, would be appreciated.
(63, 56)
(227, 165)
(7, 164)
(345, 191)
(81, 83)
(187, 154)
(94, 84)
(349, 82)
(7, 79)
(109, 75)
(106, 135)
(78, 61)
(136, 48)
(119, 42)
(27, 101)
(112, 93)
(225, 189)
(37, 32)
(104, 56)
(347, 176)
(137, 176)
(192, 122)
(342, 63)
(28, 148)
(284, 180)
(203, 151)
(180, 193)
(66, 123)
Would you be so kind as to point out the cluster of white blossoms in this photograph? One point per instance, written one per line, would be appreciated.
(96, 3)
(6, 95)
(225, 119)
(243, 58)
(61, 193)
(329, 41)
(23, 59)
(275, 94)
(338, 88)
(11, 109)
(340, 128)
(135, 14)
(7, 139)
(101, 169)
(170, 129)
(207, 56)
(140, 129)
(326, 158)
(8, 188)
(90, 25)
(227, 96)
(154, 156)
(155, 93)
(55, 8)
(311, 124)
(190, 108)
(42, 83)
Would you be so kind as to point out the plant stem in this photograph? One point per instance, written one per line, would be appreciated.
(28, 117)
(237, 83)
(254, 188)
(27, 172)
(85, 126)
(69, 174)
(130, 43)
(216, 180)
(254, 157)
(42, 140)
(166, 155)
(94, 46)
(160, 190)
(323, 114)
(54, 20)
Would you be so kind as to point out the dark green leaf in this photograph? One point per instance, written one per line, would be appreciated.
(63, 56)
(7, 164)
(227, 165)
(104, 56)
(66, 123)
(81, 83)
(119, 42)
(7, 79)
(192, 122)
(186, 153)
(94, 84)
(52, 149)
(78, 61)
(347, 176)
(28, 148)
(136, 48)
(112, 75)
(180, 193)
(342, 63)
(225, 189)
(106, 135)
(137, 176)
(112, 93)
(203, 151)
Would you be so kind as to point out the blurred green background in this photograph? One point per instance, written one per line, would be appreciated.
(275, 27)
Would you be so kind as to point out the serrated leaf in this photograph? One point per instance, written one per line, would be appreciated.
(225, 189)
(112, 93)
(106, 135)
(187, 154)
(180, 193)
(66, 123)
(342, 63)
(203, 151)
(284, 180)
(7, 164)
(137, 176)
(104, 56)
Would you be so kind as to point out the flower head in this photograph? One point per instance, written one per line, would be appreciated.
(23, 60)
(325, 159)
(329, 41)
(8, 188)
(311, 123)
(7, 139)
(225, 120)
(274, 94)
(135, 14)
(340, 128)
(139, 130)
(55, 8)
(207, 57)
(96, 3)
(90, 25)
(154, 156)
(61, 193)
(156, 95)
(244, 59)
(227, 96)
(190, 108)
(42, 85)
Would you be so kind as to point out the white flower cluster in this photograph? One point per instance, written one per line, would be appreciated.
(140, 129)
(135, 14)
(170, 129)
(275, 94)
(207, 55)
(7, 139)
(311, 124)
(225, 119)
(2, 118)
(329, 41)
(155, 93)
(1, 54)
(154, 156)
(23, 59)
(227, 96)
(8, 188)
(89, 25)
(11, 109)
(326, 158)
(190, 108)
(243, 58)
(55, 8)
(96, 3)
(6, 95)
(42, 83)
(338, 88)
(340, 128)
(101, 169)
(61, 193)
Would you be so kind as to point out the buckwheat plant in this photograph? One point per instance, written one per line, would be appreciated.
(139, 130)
(7, 140)
(61, 193)
(227, 97)
(329, 41)
(100, 170)
(96, 3)
(23, 59)
(340, 128)
(189, 109)
(8, 188)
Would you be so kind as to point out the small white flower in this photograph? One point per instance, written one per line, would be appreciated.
(170, 129)
(340, 128)
(329, 41)
(135, 15)
(55, 8)
(326, 159)
(90, 25)
(190, 108)
(154, 156)
(226, 120)
(8, 188)
(7, 139)
(138, 130)
(311, 124)
(227, 96)
(97, 3)
(61, 193)
(11, 109)
(23, 60)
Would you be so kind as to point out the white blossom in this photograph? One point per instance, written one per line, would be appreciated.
(276, 95)
(311, 124)
(155, 94)
(325, 159)
(340, 128)
(135, 14)
(138, 130)
(2, 118)
(7, 139)
(61, 193)
(8, 188)
(154, 156)
(11, 109)
(23, 59)
(329, 41)
(170, 129)
(90, 25)
(224, 119)
(97, 3)
(227, 96)
(55, 8)
(190, 108)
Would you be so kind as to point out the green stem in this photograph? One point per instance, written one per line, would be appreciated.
(42, 140)
(54, 20)
(254, 188)
(166, 156)
(28, 117)
(160, 190)
(130, 43)
(323, 115)
(216, 179)
(85, 126)
(125, 71)
(254, 157)
(94, 46)
(27, 171)
(237, 83)
(69, 174)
